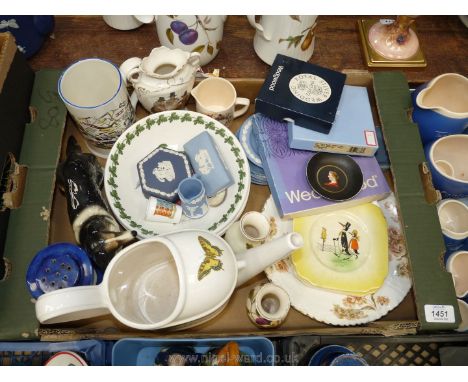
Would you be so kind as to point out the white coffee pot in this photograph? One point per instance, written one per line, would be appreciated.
(292, 36)
(176, 280)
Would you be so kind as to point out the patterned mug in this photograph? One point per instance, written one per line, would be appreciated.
(94, 94)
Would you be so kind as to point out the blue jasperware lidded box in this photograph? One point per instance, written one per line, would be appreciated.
(161, 171)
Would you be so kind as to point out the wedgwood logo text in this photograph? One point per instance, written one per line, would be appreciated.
(298, 195)
(275, 77)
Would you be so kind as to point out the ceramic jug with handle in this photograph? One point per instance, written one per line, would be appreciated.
(440, 107)
(176, 280)
(164, 79)
(202, 34)
(292, 36)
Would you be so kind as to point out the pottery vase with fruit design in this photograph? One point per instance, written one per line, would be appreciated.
(202, 34)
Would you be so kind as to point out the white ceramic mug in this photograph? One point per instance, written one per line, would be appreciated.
(95, 95)
(217, 98)
(292, 36)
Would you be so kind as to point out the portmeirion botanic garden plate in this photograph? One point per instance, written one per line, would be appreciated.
(340, 308)
(173, 129)
(345, 250)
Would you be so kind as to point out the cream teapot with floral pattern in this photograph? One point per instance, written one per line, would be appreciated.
(164, 79)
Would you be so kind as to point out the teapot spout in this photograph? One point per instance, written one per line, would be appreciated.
(255, 260)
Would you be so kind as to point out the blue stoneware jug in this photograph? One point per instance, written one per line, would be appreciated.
(29, 31)
(440, 107)
(447, 160)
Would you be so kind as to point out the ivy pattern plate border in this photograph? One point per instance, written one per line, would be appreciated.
(147, 124)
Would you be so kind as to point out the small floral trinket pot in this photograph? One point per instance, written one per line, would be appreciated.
(161, 171)
(268, 305)
(208, 163)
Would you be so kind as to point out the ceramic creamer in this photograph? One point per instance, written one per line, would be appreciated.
(441, 107)
(164, 79)
(453, 217)
(449, 168)
(217, 98)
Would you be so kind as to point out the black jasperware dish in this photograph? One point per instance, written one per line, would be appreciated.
(334, 176)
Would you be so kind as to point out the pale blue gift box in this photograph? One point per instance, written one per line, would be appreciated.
(353, 131)
(208, 164)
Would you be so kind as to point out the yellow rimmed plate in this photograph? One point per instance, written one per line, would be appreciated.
(345, 250)
(343, 309)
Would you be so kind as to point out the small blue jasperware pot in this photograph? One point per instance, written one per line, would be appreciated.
(30, 31)
(192, 194)
(448, 161)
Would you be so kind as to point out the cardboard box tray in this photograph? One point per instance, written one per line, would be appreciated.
(233, 320)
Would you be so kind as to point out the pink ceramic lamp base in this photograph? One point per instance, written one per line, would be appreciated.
(388, 46)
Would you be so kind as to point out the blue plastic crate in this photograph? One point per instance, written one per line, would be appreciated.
(95, 353)
(143, 351)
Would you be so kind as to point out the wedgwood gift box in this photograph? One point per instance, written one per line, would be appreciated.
(304, 93)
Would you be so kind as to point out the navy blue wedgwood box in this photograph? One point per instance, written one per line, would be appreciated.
(306, 93)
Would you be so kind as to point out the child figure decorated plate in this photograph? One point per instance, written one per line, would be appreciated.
(346, 250)
(341, 308)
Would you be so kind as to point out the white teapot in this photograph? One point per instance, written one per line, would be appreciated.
(180, 279)
(164, 79)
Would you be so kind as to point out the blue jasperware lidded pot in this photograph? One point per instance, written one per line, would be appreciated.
(30, 31)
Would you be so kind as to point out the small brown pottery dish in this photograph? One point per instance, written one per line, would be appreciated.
(334, 176)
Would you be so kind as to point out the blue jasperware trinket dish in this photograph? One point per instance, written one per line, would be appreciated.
(161, 171)
(208, 163)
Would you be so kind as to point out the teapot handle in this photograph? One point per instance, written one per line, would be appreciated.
(129, 68)
(258, 27)
(71, 304)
